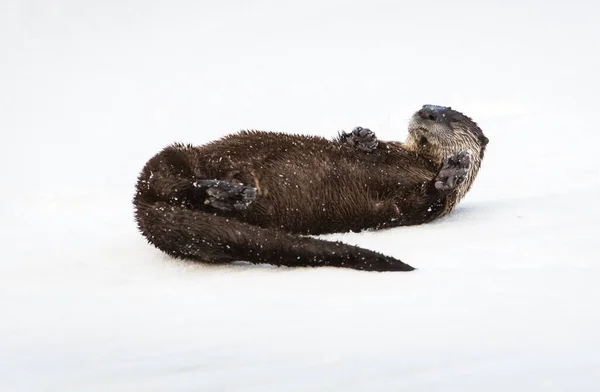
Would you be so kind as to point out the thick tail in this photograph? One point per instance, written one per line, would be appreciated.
(199, 235)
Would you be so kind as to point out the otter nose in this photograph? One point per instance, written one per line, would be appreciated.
(432, 112)
(428, 114)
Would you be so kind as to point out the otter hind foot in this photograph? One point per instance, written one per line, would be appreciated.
(453, 172)
(361, 138)
(226, 196)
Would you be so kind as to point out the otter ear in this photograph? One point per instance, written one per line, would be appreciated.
(484, 140)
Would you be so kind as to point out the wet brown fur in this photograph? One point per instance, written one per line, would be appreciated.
(305, 185)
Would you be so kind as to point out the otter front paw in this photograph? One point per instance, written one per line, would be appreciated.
(361, 138)
(226, 196)
(453, 172)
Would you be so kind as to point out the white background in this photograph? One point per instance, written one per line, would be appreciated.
(507, 294)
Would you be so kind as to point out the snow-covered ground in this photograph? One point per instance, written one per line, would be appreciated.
(507, 294)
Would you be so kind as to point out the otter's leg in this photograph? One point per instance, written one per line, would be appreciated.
(425, 202)
(360, 138)
(173, 180)
(224, 195)
(437, 196)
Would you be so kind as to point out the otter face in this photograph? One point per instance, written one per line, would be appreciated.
(442, 131)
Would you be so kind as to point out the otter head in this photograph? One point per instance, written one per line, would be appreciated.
(439, 131)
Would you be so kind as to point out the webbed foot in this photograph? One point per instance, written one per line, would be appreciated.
(226, 196)
(453, 172)
(361, 138)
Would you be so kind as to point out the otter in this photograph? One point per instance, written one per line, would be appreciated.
(262, 197)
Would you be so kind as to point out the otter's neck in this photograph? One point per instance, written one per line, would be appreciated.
(437, 154)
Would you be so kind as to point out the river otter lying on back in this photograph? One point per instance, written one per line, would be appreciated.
(251, 195)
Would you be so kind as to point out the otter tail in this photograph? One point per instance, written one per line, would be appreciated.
(198, 235)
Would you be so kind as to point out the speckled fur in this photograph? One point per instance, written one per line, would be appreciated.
(305, 185)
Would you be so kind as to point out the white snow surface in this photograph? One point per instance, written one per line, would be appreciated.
(507, 292)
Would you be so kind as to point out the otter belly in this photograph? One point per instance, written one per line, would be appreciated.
(313, 200)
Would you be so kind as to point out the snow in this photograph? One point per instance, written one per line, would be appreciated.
(506, 295)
